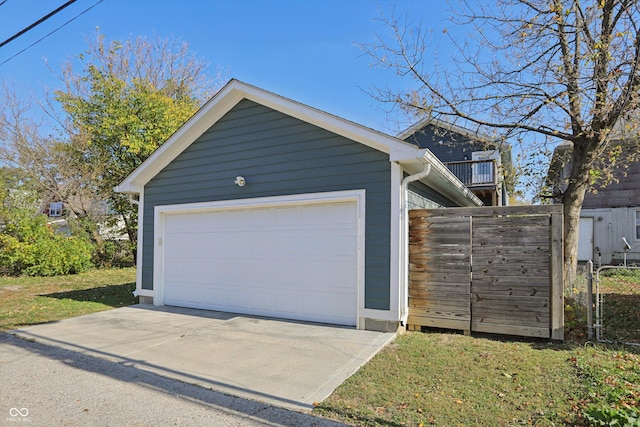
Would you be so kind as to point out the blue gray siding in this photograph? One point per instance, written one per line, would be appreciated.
(446, 145)
(278, 155)
(422, 197)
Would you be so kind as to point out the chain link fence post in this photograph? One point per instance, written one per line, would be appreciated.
(590, 300)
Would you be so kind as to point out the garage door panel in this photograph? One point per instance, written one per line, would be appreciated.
(298, 262)
(277, 273)
(254, 244)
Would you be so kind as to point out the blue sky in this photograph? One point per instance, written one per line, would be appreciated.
(306, 50)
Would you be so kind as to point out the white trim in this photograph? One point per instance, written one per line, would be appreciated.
(293, 199)
(140, 246)
(357, 196)
(397, 267)
(443, 124)
(370, 313)
(145, 293)
(232, 93)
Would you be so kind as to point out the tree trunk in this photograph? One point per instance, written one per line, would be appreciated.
(572, 200)
(572, 208)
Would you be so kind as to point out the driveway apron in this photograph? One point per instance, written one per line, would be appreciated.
(283, 363)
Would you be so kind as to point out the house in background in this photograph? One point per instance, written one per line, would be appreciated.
(55, 212)
(53, 209)
(609, 229)
(59, 213)
(261, 205)
(480, 163)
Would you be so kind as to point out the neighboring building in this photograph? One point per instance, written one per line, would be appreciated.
(481, 164)
(54, 209)
(610, 218)
(261, 205)
(58, 215)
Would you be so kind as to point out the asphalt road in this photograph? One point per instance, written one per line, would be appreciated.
(45, 385)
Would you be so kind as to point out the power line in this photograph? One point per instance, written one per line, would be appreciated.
(47, 35)
(2, 2)
(38, 22)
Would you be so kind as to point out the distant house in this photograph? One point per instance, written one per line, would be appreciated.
(54, 209)
(609, 229)
(55, 212)
(58, 218)
(480, 163)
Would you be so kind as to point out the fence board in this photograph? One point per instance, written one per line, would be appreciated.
(524, 331)
(439, 285)
(491, 269)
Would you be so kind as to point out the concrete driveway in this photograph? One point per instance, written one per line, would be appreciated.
(283, 363)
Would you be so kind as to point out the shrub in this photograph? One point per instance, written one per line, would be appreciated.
(113, 253)
(59, 255)
(29, 246)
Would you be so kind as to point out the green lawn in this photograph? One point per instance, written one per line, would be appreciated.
(32, 300)
(450, 379)
(421, 379)
(620, 290)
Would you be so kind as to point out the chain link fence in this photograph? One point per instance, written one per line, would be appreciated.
(616, 302)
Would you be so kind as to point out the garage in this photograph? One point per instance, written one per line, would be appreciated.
(279, 258)
(256, 205)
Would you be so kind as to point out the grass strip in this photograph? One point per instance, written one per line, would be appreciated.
(31, 300)
(456, 380)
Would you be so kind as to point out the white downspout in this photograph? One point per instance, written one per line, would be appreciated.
(404, 289)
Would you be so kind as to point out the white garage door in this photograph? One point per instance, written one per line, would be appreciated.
(292, 261)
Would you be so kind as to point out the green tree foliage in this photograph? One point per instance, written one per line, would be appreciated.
(125, 102)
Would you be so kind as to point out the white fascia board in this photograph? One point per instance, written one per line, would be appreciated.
(198, 124)
(226, 99)
(442, 124)
(356, 132)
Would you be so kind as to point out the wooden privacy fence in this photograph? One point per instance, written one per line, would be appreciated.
(487, 269)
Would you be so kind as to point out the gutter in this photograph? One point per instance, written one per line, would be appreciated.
(404, 290)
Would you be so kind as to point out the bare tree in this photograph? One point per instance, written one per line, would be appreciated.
(56, 169)
(119, 101)
(534, 73)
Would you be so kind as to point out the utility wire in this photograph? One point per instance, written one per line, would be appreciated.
(2, 2)
(38, 22)
(47, 35)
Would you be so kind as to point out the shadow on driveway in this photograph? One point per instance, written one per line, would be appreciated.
(23, 388)
(277, 362)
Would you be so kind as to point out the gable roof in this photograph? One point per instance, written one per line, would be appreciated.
(408, 155)
(443, 124)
